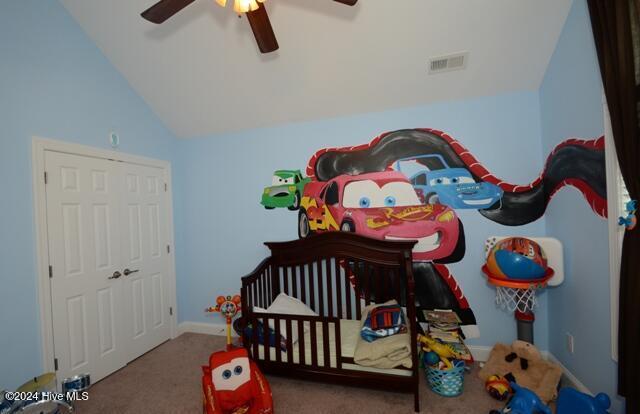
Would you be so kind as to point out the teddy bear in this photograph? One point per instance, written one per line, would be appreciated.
(522, 363)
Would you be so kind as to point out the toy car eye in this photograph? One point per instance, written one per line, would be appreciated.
(390, 201)
(237, 370)
(439, 180)
(226, 374)
(454, 180)
(364, 202)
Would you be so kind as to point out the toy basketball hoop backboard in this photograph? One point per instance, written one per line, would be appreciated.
(552, 248)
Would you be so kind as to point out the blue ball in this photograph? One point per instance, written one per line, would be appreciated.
(517, 266)
(431, 358)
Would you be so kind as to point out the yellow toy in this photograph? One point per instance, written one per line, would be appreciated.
(228, 307)
(444, 352)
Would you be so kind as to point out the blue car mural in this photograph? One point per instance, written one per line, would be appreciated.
(454, 187)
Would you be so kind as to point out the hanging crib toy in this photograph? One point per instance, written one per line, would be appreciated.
(228, 307)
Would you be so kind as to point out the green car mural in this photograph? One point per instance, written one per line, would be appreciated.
(286, 190)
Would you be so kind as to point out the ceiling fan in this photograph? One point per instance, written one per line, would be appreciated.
(256, 14)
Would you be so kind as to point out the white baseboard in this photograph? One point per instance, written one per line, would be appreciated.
(217, 329)
(568, 379)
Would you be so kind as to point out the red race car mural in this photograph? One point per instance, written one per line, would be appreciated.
(382, 205)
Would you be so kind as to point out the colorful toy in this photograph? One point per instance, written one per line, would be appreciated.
(444, 352)
(572, 401)
(630, 221)
(233, 384)
(498, 387)
(228, 307)
(517, 258)
(382, 205)
(524, 401)
(454, 187)
(286, 190)
(431, 358)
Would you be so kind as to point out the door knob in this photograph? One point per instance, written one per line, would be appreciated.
(116, 275)
(127, 272)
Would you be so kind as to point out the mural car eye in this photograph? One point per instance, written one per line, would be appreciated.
(454, 187)
(286, 190)
(382, 205)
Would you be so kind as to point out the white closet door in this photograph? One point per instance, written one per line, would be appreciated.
(144, 254)
(83, 219)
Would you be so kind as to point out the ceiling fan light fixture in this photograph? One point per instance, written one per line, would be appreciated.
(242, 6)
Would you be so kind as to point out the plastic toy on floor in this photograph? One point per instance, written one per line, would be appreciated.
(228, 307)
(572, 401)
(233, 384)
(498, 387)
(524, 401)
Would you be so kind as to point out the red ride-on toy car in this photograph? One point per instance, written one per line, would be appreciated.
(233, 384)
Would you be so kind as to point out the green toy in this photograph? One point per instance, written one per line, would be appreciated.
(286, 190)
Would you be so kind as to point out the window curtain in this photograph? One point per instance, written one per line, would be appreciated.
(616, 28)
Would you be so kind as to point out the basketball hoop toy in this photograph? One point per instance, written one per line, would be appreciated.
(228, 307)
(517, 272)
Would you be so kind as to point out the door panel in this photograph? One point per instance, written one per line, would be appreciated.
(83, 230)
(145, 215)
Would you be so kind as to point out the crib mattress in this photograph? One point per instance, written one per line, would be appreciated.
(349, 333)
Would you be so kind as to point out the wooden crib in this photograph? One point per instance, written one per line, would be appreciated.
(336, 274)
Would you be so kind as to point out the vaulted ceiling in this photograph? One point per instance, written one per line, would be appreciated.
(202, 73)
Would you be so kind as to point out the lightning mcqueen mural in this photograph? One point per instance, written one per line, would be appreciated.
(382, 205)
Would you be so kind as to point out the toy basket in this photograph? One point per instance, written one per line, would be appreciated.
(448, 383)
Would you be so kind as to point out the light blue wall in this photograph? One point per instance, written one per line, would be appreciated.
(222, 177)
(54, 83)
(571, 106)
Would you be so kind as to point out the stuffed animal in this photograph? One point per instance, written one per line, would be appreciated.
(521, 362)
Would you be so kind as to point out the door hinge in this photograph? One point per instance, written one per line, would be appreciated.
(170, 311)
(165, 187)
(46, 178)
(50, 271)
(168, 249)
(55, 363)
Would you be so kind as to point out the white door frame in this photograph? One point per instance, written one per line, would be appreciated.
(39, 146)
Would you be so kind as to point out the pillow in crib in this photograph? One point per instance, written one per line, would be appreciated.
(288, 305)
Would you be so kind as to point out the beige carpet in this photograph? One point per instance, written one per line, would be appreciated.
(167, 380)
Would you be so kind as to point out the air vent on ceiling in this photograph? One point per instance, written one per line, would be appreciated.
(448, 63)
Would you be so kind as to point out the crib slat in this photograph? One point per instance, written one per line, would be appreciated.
(325, 344)
(303, 290)
(338, 287)
(358, 290)
(312, 294)
(285, 279)
(375, 285)
(314, 346)
(327, 277)
(365, 284)
(294, 281)
(301, 356)
(320, 290)
(278, 340)
(289, 342)
(347, 287)
(338, 345)
(260, 296)
(267, 339)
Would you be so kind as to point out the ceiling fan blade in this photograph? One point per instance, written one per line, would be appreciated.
(347, 2)
(164, 9)
(262, 30)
